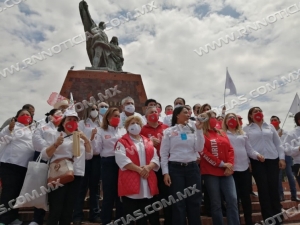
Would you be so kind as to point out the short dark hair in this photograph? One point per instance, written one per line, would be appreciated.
(168, 106)
(177, 111)
(194, 107)
(181, 99)
(297, 118)
(275, 117)
(150, 100)
(27, 106)
(157, 103)
(21, 110)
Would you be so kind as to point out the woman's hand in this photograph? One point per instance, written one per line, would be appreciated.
(282, 164)
(59, 140)
(228, 172)
(261, 158)
(155, 141)
(145, 171)
(167, 179)
(12, 125)
(94, 132)
(199, 125)
(228, 166)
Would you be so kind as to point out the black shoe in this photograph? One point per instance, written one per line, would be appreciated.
(96, 220)
(282, 198)
(295, 199)
(77, 222)
(253, 194)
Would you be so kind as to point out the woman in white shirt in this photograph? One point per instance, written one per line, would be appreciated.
(179, 151)
(242, 149)
(61, 201)
(104, 141)
(137, 183)
(14, 161)
(92, 173)
(264, 139)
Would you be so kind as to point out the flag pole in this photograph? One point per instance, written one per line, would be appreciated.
(289, 110)
(285, 119)
(225, 85)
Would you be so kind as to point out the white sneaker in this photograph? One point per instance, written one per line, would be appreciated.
(16, 222)
(33, 223)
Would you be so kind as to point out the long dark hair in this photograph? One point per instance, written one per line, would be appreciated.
(51, 113)
(177, 111)
(250, 120)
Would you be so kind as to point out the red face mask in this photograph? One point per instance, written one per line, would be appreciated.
(56, 120)
(158, 110)
(241, 122)
(152, 117)
(24, 119)
(169, 112)
(232, 123)
(114, 121)
(213, 122)
(71, 126)
(275, 123)
(258, 116)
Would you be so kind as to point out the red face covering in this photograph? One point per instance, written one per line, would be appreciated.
(158, 110)
(24, 119)
(56, 120)
(71, 126)
(114, 121)
(152, 117)
(275, 123)
(241, 122)
(169, 112)
(258, 116)
(213, 122)
(232, 123)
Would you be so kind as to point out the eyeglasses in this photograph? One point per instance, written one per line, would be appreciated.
(103, 106)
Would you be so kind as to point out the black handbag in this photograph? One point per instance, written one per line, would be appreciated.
(296, 169)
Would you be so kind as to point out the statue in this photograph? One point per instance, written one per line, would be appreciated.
(100, 52)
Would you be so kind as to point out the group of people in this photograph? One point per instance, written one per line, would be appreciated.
(188, 155)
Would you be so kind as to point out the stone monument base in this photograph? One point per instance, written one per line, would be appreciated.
(107, 86)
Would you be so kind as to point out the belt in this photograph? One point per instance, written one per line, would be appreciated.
(182, 164)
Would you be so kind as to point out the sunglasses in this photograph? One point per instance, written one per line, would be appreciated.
(94, 109)
(103, 106)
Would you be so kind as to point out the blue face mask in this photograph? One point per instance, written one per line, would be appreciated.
(102, 111)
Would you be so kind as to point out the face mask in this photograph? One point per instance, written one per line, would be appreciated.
(114, 121)
(169, 112)
(232, 123)
(102, 111)
(94, 113)
(134, 129)
(71, 126)
(158, 110)
(152, 117)
(24, 119)
(213, 122)
(275, 123)
(130, 108)
(56, 120)
(258, 116)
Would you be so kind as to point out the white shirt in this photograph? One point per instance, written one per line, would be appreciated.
(19, 150)
(173, 148)
(100, 118)
(123, 117)
(284, 133)
(265, 140)
(122, 160)
(292, 143)
(87, 128)
(168, 120)
(105, 140)
(41, 134)
(242, 149)
(65, 150)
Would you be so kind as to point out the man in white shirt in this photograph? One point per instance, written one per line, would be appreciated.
(275, 121)
(128, 109)
(178, 102)
(149, 103)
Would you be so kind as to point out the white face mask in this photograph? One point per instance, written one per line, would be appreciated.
(94, 113)
(134, 129)
(130, 108)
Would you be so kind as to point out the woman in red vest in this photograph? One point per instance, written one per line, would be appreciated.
(216, 165)
(137, 183)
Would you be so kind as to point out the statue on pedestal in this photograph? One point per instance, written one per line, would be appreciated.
(102, 54)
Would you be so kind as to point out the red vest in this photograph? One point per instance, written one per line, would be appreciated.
(129, 181)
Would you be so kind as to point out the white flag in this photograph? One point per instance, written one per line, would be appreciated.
(229, 84)
(295, 107)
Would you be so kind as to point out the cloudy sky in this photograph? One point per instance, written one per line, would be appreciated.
(160, 46)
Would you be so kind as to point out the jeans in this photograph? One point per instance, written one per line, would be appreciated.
(225, 184)
(290, 176)
(242, 189)
(266, 175)
(182, 177)
(109, 173)
(89, 181)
